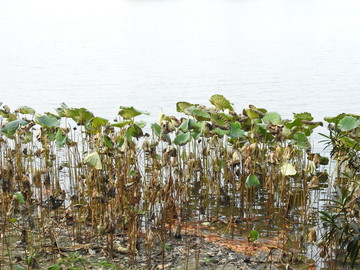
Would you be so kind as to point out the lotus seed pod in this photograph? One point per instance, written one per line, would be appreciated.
(254, 149)
(146, 146)
(278, 151)
(288, 152)
(316, 159)
(176, 122)
(273, 159)
(236, 157)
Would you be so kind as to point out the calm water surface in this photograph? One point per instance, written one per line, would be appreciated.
(288, 56)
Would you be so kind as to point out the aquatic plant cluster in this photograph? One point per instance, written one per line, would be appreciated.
(106, 178)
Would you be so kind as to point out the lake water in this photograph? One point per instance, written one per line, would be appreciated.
(288, 56)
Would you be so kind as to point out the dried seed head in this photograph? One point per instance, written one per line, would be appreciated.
(146, 146)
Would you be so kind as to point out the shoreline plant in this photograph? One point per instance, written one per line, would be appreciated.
(73, 177)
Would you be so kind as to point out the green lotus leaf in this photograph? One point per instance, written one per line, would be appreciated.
(61, 110)
(220, 102)
(251, 113)
(324, 160)
(221, 132)
(156, 129)
(181, 106)
(165, 137)
(130, 112)
(349, 143)
(182, 138)
(47, 121)
(11, 127)
(190, 124)
(197, 113)
(303, 116)
(4, 114)
(60, 138)
(93, 160)
(301, 140)
(336, 119)
(348, 123)
(121, 124)
(252, 181)
(184, 127)
(294, 123)
(272, 117)
(141, 124)
(236, 131)
(98, 122)
(26, 110)
(71, 113)
(287, 169)
(219, 120)
(82, 116)
(134, 131)
(108, 142)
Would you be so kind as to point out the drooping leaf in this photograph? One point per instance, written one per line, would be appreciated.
(184, 127)
(182, 105)
(348, 123)
(287, 169)
(60, 138)
(252, 181)
(156, 129)
(236, 131)
(93, 160)
(140, 124)
(11, 127)
(108, 142)
(134, 131)
(60, 112)
(220, 102)
(182, 138)
(47, 121)
(122, 123)
(195, 135)
(26, 110)
(165, 137)
(251, 113)
(272, 117)
(98, 122)
(130, 112)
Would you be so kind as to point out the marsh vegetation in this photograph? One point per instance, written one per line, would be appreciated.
(75, 186)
